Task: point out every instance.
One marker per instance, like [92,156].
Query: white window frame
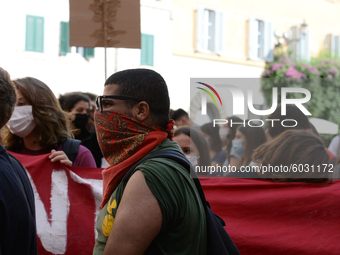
[333,45]
[299,45]
[203,33]
[261,39]
[254,43]
[76,51]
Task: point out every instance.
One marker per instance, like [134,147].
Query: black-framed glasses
[99,100]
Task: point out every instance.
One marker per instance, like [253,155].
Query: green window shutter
[34,33]
[30,24]
[88,52]
[39,34]
[143,50]
[150,50]
[64,38]
[146,57]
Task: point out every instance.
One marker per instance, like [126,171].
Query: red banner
[67,202]
[262,217]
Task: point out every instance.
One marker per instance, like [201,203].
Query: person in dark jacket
[17,208]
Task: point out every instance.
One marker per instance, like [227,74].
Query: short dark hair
[179,113]
[292,112]
[7,97]
[69,100]
[213,132]
[146,85]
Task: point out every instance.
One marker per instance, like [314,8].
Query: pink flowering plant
[321,77]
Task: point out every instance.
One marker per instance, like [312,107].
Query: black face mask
[81,120]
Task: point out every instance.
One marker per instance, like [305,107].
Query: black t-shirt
[89,140]
[17,208]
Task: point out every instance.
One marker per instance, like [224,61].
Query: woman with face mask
[227,133]
[194,147]
[78,107]
[213,139]
[246,140]
[39,126]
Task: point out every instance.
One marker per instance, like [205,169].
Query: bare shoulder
[138,219]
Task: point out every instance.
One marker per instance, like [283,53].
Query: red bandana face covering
[123,141]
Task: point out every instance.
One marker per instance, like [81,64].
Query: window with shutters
[65,44]
[333,45]
[34,33]
[299,48]
[64,38]
[210,31]
[147,50]
[84,52]
[88,52]
[261,40]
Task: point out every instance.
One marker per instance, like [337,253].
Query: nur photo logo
[212,89]
[239,99]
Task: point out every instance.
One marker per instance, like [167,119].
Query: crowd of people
[237,145]
[131,121]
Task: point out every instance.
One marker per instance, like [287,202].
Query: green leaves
[321,77]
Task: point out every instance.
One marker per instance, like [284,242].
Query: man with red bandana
[159,210]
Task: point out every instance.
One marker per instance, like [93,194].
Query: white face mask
[223,133]
[193,160]
[22,122]
[237,147]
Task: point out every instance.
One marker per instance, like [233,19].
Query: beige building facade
[181,39]
[235,39]
[321,17]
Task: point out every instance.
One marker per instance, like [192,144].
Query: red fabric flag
[263,217]
[67,202]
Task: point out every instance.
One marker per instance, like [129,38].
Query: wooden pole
[105,64]
[105,34]
[116,60]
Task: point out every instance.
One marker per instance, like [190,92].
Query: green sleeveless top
[184,225]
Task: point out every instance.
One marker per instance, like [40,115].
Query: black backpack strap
[183,161]
[218,240]
[71,148]
[159,154]
[333,161]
